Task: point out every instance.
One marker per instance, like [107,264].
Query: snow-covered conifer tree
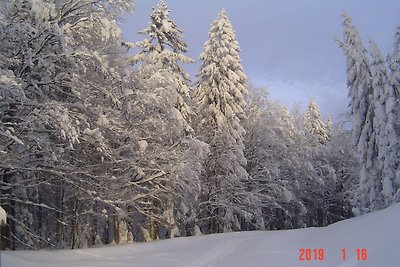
[219,102]
[313,124]
[161,106]
[387,116]
[161,57]
[360,92]
[393,112]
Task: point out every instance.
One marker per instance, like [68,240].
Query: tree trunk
[116,229]
[153,229]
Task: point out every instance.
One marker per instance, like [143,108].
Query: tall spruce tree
[362,111]
[395,83]
[314,126]
[386,117]
[219,102]
[161,57]
[161,105]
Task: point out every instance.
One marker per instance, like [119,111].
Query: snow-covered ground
[378,233]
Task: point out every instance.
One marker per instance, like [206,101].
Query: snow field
[377,232]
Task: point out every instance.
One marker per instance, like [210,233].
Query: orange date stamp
[318,254]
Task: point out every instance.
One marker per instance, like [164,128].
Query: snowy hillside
[377,232]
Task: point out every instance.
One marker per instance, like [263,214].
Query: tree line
[99,147]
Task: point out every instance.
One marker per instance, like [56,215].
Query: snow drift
[377,233]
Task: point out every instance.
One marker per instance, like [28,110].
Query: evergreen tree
[161,55]
[219,100]
[387,110]
[362,112]
[314,126]
[393,111]
[161,105]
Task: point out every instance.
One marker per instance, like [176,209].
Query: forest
[102,145]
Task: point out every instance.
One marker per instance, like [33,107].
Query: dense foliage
[98,146]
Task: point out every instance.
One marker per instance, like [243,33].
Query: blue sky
[286,45]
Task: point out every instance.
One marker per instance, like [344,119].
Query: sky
[287,46]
